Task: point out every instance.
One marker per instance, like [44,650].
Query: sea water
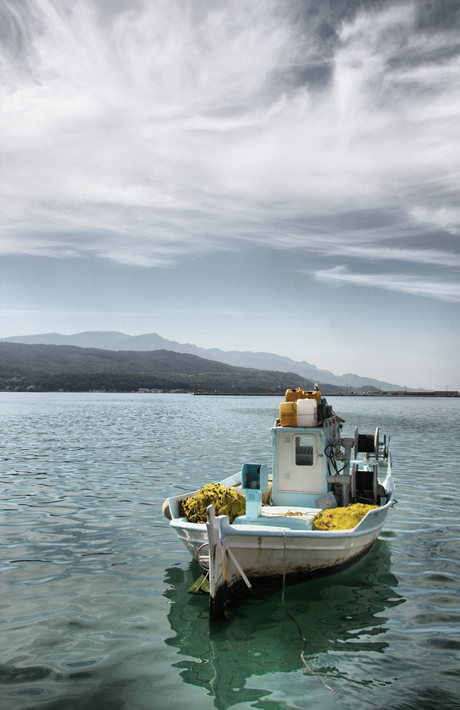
[95,613]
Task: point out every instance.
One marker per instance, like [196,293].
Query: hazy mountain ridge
[72,358]
[71,368]
[114,340]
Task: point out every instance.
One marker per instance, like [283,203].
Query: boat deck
[294,517]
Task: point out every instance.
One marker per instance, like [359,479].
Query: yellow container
[315,394]
[300,393]
[288,413]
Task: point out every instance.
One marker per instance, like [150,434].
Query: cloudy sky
[265,175]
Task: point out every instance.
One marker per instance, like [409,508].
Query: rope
[331,459]
[302,653]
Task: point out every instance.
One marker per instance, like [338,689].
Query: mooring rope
[302,653]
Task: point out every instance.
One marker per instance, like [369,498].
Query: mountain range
[71,368]
[113,340]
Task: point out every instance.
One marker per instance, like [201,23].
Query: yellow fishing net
[226,501]
[341,518]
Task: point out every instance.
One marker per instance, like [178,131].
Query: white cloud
[402,283]
[447,217]
[413,256]
[173,127]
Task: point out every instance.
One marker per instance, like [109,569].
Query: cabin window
[304,450]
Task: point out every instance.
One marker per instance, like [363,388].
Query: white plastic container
[307,412]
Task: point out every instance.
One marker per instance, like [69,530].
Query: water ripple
[93,586]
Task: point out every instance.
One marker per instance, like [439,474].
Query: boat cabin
[300,469]
[313,466]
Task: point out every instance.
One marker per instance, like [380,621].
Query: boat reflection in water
[247,657]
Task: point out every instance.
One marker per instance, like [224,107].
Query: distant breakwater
[398,393]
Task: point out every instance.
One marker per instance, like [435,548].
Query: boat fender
[166,510]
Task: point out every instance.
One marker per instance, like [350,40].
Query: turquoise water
[95,613]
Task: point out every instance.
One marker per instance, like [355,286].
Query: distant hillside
[70,358]
[71,368]
[113,340]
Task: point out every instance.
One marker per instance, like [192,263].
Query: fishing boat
[320,511]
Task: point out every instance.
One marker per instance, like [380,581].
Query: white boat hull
[261,555]
[295,556]
[264,553]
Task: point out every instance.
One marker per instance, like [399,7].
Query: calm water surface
[95,613]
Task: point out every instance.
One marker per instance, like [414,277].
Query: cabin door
[300,464]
